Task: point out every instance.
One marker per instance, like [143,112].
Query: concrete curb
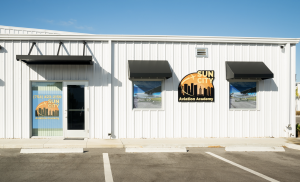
[254,149]
[51,151]
[142,143]
[140,150]
[292,146]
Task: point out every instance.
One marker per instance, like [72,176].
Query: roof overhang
[149,69]
[247,70]
[57,60]
[151,38]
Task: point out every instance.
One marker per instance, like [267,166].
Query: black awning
[72,60]
[247,70]
[149,69]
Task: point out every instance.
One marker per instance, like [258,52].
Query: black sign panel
[197,87]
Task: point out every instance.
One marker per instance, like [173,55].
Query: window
[147,94]
[242,95]
[47,109]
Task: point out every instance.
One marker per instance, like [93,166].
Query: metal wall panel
[169,93]
[180,120]
[292,91]
[2,92]
[17,92]
[26,99]
[15,77]
[9,89]
[111,91]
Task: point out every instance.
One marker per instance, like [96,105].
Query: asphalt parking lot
[195,165]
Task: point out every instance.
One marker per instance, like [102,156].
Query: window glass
[147,94]
[47,109]
[242,95]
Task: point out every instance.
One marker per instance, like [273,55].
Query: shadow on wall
[2,83]
[269,85]
[3,50]
[102,78]
[175,81]
[98,80]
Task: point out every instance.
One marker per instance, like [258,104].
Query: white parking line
[51,151]
[254,149]
[136,150]
[242,167]
[107,169]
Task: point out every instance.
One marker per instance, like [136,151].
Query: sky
[238,18]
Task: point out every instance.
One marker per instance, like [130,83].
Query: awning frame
[56,60]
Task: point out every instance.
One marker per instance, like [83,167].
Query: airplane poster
[242,95]
[147,94]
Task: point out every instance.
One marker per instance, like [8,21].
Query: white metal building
[128,108]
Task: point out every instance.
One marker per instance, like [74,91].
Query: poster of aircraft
[147,94]
[243,95]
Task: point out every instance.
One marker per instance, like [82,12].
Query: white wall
[15,77]
[184,120]
[110,89]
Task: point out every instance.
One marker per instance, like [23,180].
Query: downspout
[289,128]
[112,120]
[292,119]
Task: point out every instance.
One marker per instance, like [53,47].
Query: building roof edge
[148,38]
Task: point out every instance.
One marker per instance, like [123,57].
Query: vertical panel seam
[13,84]
[21,100]
[4,99]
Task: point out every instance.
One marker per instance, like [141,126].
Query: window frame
[257,96]
[162,95]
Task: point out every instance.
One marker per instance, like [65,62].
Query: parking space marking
[254,149]
[107,169]
[244,168]
[51,151]
[136,150]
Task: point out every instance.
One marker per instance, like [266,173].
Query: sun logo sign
[197,87]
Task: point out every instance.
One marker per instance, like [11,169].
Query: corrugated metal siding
[15,77]
[180,120]
[2,93]
[293,82]
[111,90]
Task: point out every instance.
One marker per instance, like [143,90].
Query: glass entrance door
[75,107]
[76,116]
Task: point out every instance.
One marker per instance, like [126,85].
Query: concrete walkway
[142,143]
